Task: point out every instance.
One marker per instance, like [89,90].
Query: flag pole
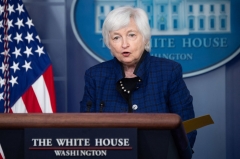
[6,60]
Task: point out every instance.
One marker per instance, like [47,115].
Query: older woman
[133,81]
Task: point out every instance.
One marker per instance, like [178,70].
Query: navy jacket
[161,89]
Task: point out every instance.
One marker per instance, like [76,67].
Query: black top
[126,86]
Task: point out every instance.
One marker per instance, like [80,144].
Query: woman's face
[127,44]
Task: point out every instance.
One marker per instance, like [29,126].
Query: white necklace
[123,88]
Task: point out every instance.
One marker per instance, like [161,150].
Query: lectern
[159,136]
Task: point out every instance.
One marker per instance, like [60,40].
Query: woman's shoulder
[163,62]
[165,66]
[103,65]
[106,66]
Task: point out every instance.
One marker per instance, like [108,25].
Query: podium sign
[151,135]
[64,143]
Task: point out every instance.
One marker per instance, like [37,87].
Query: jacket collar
[140,70]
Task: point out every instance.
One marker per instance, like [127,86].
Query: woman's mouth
[125,54]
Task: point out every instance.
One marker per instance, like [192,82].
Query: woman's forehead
[130,27]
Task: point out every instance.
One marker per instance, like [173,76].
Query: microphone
[101,106]
[89,105]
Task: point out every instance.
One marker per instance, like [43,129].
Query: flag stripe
[19,107]
[49,81]
[30,100]
[42,99]
[42,95]
[1,153]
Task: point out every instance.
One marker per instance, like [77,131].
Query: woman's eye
[115,38]
[132,35]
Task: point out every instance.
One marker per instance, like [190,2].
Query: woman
[133,81]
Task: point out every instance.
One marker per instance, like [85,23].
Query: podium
[158,135]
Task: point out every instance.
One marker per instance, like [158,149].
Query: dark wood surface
[90,120]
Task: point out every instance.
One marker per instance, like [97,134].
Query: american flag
[1,153]
[26,78]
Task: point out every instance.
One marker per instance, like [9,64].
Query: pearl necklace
[123,88]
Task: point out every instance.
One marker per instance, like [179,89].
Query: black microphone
[101,106]
[89,105]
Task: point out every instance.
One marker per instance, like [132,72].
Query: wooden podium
[159,135]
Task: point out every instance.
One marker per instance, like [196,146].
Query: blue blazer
[160,90]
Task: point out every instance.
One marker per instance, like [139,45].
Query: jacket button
[134,107]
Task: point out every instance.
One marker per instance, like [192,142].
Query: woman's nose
[125,43]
